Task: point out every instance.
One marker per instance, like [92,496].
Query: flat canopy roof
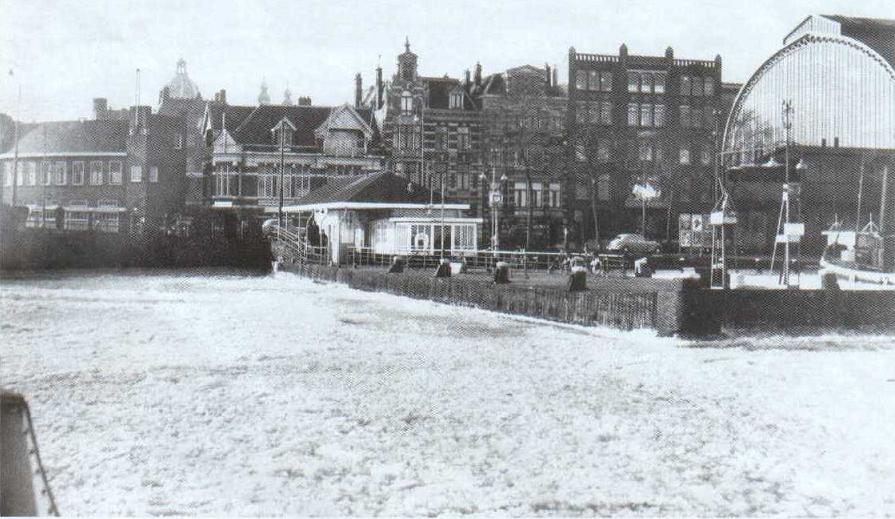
[299,208]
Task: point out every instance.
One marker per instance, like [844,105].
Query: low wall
[757,310]
[619,303]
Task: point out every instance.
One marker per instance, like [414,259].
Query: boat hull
[853,274]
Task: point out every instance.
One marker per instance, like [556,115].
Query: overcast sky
[65,53]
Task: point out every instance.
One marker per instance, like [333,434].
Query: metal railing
[476,260]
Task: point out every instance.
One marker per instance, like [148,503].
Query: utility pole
[282,171]
[15,153]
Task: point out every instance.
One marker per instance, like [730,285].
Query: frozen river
[165,393]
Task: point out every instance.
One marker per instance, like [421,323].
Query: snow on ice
[165,393]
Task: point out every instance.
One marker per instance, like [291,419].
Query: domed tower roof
[182,87]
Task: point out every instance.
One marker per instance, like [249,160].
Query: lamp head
[801,166]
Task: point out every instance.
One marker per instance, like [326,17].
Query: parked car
[634,243]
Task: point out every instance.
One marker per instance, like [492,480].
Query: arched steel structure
[842,94]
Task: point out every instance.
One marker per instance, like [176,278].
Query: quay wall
[618,303]
[816,310]
[667,306]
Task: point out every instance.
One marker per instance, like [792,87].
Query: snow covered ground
[164,393]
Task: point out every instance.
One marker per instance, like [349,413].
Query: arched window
[406,102]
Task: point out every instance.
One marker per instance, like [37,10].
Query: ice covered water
[173,393]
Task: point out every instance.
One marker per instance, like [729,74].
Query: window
[606,112]
[604,187]
[606,81]
[709,86]
[632,114]
[31,173]
[646,114]
[581,80]
[520,198]
[463,138]
[603,150]
[136,174]
[105,222]
[594,113]
[696,118]
[96,172]
[580,153]
[77,173]
[77,220]
[46,173]
[456,100]
[7,174]
[646,82]
[153,174]
[554,199]
[646,151]
[115,172]
[686,85]
[659,86]
[60,173]
[581,113]
[659,119]
[441,138]
[697,86]
[685,116]
[705,157]
[633,81]
[685,156]
[593,80]
[406,102]
[537,194]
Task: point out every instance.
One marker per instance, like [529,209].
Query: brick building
[431,129]
[111,174]
[523,122]
[640,120]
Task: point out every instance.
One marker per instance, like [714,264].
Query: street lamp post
[494,200]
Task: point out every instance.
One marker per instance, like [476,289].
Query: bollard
[502,273]
[829,281]
[444,269]
[578,279]
[397,266]
[642,269]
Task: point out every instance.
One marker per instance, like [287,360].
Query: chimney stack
[478,74]
[549,75]
[378,87]
[358,90]
[221,97]
[100,108]
[468,82]
[304,101]
[555,76]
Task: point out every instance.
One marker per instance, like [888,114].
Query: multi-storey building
[523,122]
[111,174]
[640,120]
[431,129]
[259,155]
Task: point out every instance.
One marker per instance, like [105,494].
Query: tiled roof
[75,137]
[255,128]
[235,115]
[376,188]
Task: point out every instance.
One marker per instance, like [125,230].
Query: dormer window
[406,102]
[456,100]
[281,134]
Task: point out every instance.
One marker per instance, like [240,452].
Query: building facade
[431,129]
[649,121]
[261,155]
[523,125]
[111,174]
[836,75]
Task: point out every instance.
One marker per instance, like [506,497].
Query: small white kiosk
[382,213]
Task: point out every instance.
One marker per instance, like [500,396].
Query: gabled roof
[374,188]
[345,117]
[234,115]
[255,129]
[75,137]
